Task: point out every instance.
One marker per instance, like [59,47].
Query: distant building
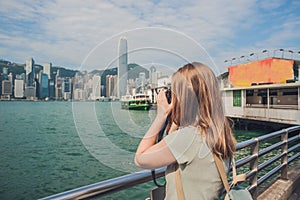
[30,92]
[43,85]
[67,88]
[19,88]
[5,73]
[88,88]
[141,82]
[78,81]
[47,69]
[96,92]
[5,70]
[111,86]
[58,86]
[79,94]
[6,89]
[30,72]
[51,89]
[10,77]
[163,81]
[122,67]
[153,77]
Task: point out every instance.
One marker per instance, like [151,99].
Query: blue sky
[84,34]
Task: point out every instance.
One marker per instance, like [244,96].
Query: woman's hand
[149,154]
[163,107]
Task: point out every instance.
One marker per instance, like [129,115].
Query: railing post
[284,159]
[254,167]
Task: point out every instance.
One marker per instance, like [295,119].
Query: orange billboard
[270,70]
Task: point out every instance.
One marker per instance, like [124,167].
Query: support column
[254,168]
[284,159]
[298,87]
[268,103]
[298,98]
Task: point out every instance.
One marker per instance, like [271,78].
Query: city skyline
[47,83]
[84,34]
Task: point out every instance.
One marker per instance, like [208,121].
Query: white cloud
[270,4]
[64,32]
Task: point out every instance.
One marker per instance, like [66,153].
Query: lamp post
[264,51]
[242,57]
[225,61]
[252,54]
[282,50]
[292,52]
[233,59]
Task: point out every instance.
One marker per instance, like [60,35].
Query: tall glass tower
[122,68]
[30,72]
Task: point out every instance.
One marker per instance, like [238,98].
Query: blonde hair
[197,101]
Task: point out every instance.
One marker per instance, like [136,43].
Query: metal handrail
[109,186]
[116,184]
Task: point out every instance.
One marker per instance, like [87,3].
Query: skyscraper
[30,72]
[67,88]
[19,88]
[51,89]
[153,77]
[96,93]
[111,81]
[30,86]
[47,69]
[58,86]
[122,67]
[43,85]
[141,82]
[6,88]
[5,73]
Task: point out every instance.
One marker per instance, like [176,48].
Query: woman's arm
[149,154]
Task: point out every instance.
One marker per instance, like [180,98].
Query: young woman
[197,129]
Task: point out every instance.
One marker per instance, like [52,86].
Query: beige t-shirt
[199,174]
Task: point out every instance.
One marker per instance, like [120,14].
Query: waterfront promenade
[282,169]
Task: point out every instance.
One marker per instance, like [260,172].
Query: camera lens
[169,95]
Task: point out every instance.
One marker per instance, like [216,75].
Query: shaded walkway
[296,194]
[284,189]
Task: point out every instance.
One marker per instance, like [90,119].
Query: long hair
[197,101]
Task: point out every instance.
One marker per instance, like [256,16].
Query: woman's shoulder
[184,135]
[186,132]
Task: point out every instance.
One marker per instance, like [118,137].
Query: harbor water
[50,147]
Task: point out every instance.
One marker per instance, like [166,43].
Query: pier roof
[264,86]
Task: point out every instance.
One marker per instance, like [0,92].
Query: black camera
[169,95]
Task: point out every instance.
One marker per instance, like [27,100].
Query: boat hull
[139,107]
[128,106]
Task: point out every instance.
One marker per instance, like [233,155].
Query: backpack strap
[221,171]
[179,188]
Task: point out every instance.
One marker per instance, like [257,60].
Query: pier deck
[281,189]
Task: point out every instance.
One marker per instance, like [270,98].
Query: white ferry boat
[136,102]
